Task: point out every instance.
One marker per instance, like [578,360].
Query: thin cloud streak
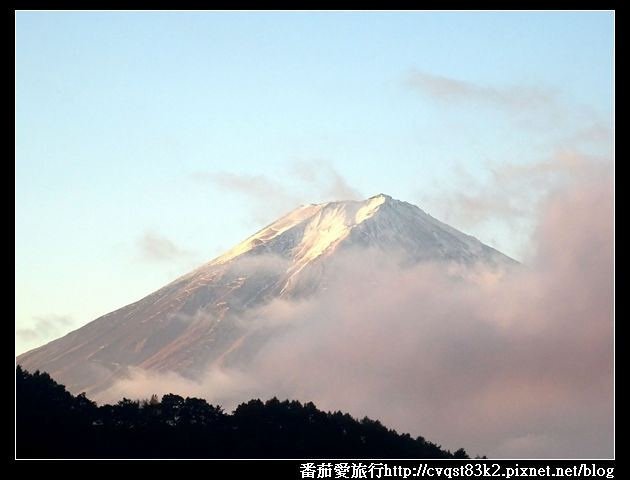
[46,327]
[269,198]
[254,186]
[266,198]
[531,107]
[325,179]
[157,248]
[513,98]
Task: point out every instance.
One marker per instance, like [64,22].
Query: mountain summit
[193,322]
[316,230]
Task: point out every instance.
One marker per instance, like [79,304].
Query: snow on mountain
[193,322]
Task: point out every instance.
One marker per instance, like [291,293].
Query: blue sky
[148,143]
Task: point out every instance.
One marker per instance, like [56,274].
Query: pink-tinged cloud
[488,365]
[518,364]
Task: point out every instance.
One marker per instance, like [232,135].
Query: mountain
[194,321]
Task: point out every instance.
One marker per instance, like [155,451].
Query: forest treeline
[52,423]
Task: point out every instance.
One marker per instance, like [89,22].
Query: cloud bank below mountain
[507,366]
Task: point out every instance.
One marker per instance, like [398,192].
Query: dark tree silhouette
[52,423]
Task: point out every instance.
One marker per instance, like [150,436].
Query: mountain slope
[194,321]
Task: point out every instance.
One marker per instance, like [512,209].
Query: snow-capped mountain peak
[312,231]
[321,226]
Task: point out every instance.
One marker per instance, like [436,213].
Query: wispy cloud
[255,186]
[508,198]
[529,107]
[325,179]
[45,327]
[157,248]
[594,133]
[515,99]
[267,198]
[270,197]
[500,206]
